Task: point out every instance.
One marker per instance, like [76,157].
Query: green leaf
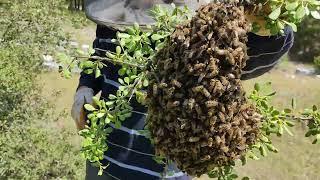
[109,130]
[98,73]
[88,71]
[314,108]
[107,120]
[86,64]
[288,111]
[122,118]
[290,124]
[244,160]
[264,104]
[293,26]
[100,115]
[280,130]
[156,37]
[263,151]
[292,5]
[272,94]
[271,148]
[257,87]
[117,124]
[234,176]
[112,97]
[288,131]
[275,113]
[145,83]
[300,12]
[293,103]
[118,50]
[127,80]
[110,55]
[275,14]
[96,100]
[280,25]
[109,103]
[122,71]
[130,31]
[89,107]
[315,14]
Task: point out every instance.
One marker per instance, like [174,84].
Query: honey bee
[210,104]
[155,90]
[221,117]
[176,83]
[194,139]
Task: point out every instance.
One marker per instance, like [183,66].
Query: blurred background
[38,138]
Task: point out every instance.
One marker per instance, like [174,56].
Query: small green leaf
[244,160]
[271,148]
[293,26]
[315,14]
[127,80]
[122,71]
[156,37]
[257,87]
[234,176]
[145,82]
[118,50]
[109,130]
[110,55]
[275,14]
[117,124]
[293,103]
[120,81]
[272,94]
[290,124]
[300,12]
[98,73]
[288,131]
[263,151]
[136,26]
[314,108]
[109,103]
[88,71]
[100,115]
[280,130]
[89,107]
[275,113]
[112,97]
[292,5]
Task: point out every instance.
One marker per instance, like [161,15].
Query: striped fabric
[130,155]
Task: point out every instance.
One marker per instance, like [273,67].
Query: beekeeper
[130,155]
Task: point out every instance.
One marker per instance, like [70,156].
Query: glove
[83,96]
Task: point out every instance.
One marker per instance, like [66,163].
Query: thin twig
[111,60]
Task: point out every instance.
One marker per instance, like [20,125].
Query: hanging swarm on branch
[199,116]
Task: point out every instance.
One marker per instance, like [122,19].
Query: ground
[297,158]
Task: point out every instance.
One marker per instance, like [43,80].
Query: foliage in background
[307,44]
[281,13]
[31,147]
[317,61]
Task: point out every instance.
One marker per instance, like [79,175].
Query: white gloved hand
[83,96]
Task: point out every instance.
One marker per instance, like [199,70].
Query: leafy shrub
[31,146]
[306,45]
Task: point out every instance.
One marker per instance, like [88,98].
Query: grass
[297,158]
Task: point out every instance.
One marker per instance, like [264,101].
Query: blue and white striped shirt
[130,155]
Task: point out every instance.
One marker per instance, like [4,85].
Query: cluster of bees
[199,116]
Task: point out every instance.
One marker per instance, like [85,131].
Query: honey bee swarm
[198,112]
